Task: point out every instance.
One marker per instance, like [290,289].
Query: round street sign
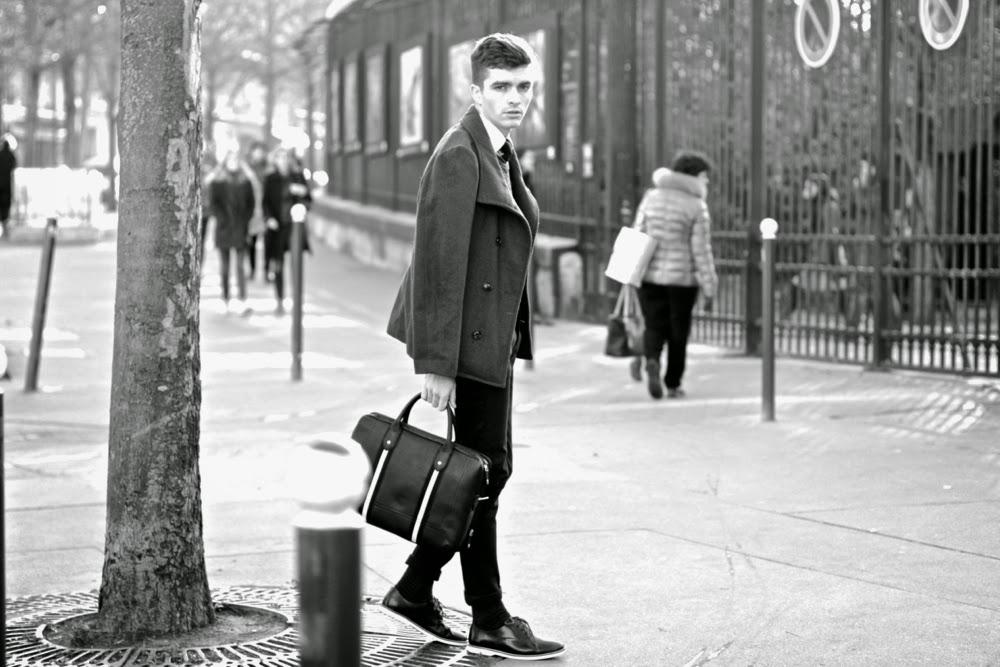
[942,21]
[817,26]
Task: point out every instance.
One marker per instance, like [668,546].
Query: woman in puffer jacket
[674,212]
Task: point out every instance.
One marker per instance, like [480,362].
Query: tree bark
[154,579]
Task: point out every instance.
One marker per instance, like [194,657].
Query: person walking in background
[675,213]
[232,203]
[8,163]
[257,161]
[463,312]
[208,166]
[284,186]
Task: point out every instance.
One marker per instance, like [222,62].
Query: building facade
[869,129]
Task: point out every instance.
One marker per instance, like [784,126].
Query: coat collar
[675,180]
[492,190]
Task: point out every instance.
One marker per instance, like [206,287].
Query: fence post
[768,234]
[757,84]
[298,242]
[41,305]
[332,481]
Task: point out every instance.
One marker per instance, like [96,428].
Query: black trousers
[252,254]
[667,311]
[482,422]
[241,278]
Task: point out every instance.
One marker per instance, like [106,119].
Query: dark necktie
[504,153]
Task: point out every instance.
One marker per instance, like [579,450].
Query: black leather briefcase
[424,488]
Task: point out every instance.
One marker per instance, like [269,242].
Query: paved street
[858,529]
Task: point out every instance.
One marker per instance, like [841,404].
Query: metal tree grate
[384,640]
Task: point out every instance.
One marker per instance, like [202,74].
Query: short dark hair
[691,163]
[500,50]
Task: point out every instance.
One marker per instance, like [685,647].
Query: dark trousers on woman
[252,255]
[482,422]
[241,278]
[667,311]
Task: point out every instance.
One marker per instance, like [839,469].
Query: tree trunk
[71,146]
[211,95]
[111,98]
[32,157]
[154,579]
[85,150]
[33,84]
[269,76]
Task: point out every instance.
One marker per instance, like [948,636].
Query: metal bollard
[768,234]
[41,305]
[298,244]
[333,478]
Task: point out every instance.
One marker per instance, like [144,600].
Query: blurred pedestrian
[232,203]
[675,213]
[463,312]
[284,186]
[257,161]
[208,167]
[8,163]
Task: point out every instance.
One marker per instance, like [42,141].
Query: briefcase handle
[404,418]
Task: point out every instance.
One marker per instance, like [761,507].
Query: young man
[462,311]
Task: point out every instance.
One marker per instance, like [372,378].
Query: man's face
[505,96]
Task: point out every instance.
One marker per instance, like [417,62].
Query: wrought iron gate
[882,167]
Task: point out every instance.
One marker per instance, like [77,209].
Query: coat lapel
[492,190]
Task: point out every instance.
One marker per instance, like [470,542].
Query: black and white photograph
[471,333]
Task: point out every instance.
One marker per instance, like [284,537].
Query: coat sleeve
[445,212]
[701,249]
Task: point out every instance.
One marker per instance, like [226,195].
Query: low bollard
[332,481]
[41,306]
[768,234]
[298,244]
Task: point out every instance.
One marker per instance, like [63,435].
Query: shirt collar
[497,138]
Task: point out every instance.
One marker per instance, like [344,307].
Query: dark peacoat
[232,203]
[465,292]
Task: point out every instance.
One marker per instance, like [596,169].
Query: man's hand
[439,391]
[272,223]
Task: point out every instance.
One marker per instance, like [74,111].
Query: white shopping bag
[630,256]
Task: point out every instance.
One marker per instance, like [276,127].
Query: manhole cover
[384,640]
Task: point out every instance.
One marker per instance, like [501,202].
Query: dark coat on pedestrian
[8,162]
[281,192]
[465,292]
[232,203]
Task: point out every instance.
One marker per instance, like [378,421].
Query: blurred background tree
[60,70]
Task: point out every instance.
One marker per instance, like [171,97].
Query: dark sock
[490,617]
[415,586]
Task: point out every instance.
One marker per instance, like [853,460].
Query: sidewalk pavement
[860,528]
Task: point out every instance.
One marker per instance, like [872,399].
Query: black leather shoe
[513,640]
[425,617]
[653,383]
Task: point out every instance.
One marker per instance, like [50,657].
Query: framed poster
[335,108]
[459,79]
[375,100]
[534,130]
[351,132]
[412,98]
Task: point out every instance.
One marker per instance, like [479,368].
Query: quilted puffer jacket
[674,212]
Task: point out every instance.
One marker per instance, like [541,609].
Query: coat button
[499,241]
[477,335]
[487,287]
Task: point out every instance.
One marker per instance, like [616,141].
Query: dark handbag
[624,338]
[424,488]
